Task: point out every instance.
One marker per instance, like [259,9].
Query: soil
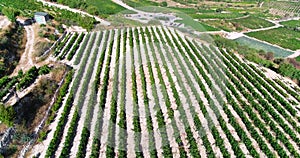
[11,46]
[32,106]
[3,127]
[4,22]
[25,62]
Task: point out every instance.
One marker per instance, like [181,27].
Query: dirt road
[26,62]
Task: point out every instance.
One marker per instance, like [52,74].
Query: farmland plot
[284,8]
[153,92]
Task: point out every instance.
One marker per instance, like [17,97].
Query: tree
[164,4]
[10,13]
[8,114]
[286,69]
[44,70]
[219,10]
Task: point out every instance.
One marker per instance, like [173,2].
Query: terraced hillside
[153,92]
[284,8]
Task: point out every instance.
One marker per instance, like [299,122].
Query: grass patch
[278,52]
[140,3]
[193,10]
[105,7]
[186,2]
[291,23]
[209,28]
[251,22]
[221,24]
[298,58]
[284,37]
[120,21]
[216,15]
[154,9]
[198,26]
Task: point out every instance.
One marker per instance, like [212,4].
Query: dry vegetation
[12,44]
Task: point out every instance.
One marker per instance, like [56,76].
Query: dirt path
[121,89]
[235,35]
[295,55]
[102,22]
[26,62]
[121,3]
[129,101]
[275,22]
[277,25]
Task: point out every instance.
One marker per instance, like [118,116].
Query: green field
[263,46]
[140,3]
[198,26]
[252,22]
[105,7]
[221,24]
[291,23]
[217,15]
[240,24]
[284,37]
[193,10]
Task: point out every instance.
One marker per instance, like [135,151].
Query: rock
[6,139]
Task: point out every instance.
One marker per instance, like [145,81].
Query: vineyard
[284,8]
[153,92]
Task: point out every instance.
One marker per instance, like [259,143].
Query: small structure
[41,17]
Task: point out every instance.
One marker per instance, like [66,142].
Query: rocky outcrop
[6,139]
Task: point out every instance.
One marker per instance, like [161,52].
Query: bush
[44,70]
[289,70]
[7,115]
[219,10]
[164,4]
[92,10]
[10,13]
